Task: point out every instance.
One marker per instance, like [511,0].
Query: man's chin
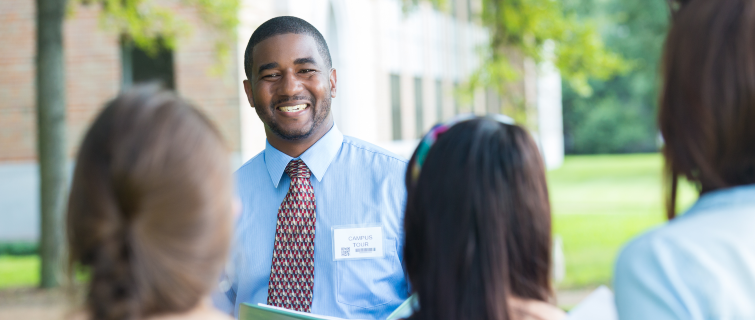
[292,135]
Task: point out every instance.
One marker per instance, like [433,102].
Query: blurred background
[581,75]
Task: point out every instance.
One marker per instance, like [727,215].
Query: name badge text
[357,243]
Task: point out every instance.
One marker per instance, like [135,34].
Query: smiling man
[321,225]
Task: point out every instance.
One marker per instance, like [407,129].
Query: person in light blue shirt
[701,265]
[354,268]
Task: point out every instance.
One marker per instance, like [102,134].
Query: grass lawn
[601,202]
[19,271]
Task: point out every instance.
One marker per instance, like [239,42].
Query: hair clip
[431,136]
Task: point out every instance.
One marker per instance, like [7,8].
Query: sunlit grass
[19,271]
[601,202]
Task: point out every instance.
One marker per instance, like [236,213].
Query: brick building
[94,74]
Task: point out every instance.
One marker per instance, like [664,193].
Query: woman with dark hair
[150,211]
[701,265]
[478,225]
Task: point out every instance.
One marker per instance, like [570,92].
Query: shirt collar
[317,158]
[722,198]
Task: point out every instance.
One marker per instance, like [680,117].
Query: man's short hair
[284,25]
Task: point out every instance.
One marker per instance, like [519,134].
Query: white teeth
[295,108]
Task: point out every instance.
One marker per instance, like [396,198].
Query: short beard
[319,115]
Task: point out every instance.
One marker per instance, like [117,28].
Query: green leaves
[151,26]
[579,51]
[526,26]
[619,116]
[582,55]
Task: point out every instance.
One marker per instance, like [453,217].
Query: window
[139,66]
[396,106]
[418,106]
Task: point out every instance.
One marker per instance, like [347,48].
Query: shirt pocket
[370,283]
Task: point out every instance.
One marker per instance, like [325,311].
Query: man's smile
[295,108]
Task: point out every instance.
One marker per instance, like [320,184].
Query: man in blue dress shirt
[355,269]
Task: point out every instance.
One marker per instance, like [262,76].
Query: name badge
[357,242]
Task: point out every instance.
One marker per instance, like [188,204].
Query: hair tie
[431,136]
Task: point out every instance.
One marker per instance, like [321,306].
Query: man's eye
[271,75]
[307,70]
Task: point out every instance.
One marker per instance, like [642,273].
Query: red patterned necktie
[292,275]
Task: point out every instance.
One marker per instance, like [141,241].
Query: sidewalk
[33,303]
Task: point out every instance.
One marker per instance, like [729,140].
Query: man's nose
[289,84]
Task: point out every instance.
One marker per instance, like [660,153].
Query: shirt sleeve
[642,285]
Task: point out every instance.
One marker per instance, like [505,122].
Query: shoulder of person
[643,276]
[209,314]
[522,309]
[255,162]
[641,243]
[641,254]
[369,148]
[205,314]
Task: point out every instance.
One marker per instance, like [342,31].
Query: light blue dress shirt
[355,183]
[701,265]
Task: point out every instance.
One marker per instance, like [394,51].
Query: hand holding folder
[599,305]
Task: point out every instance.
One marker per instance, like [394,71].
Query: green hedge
[18,248]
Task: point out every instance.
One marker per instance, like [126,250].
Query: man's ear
[333,83]
[248,90]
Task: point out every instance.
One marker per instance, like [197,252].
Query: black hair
[478,223]
[285,25]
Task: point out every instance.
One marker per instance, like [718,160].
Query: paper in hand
[599,305]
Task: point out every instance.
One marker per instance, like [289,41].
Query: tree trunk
[51,136]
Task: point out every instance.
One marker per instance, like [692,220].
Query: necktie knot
[297,169]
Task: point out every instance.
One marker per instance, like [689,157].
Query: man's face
[290,86]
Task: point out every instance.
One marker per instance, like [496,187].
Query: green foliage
[150,25]
[530,27]
[620,114]
[583,55]
[18,248]
[606,123]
